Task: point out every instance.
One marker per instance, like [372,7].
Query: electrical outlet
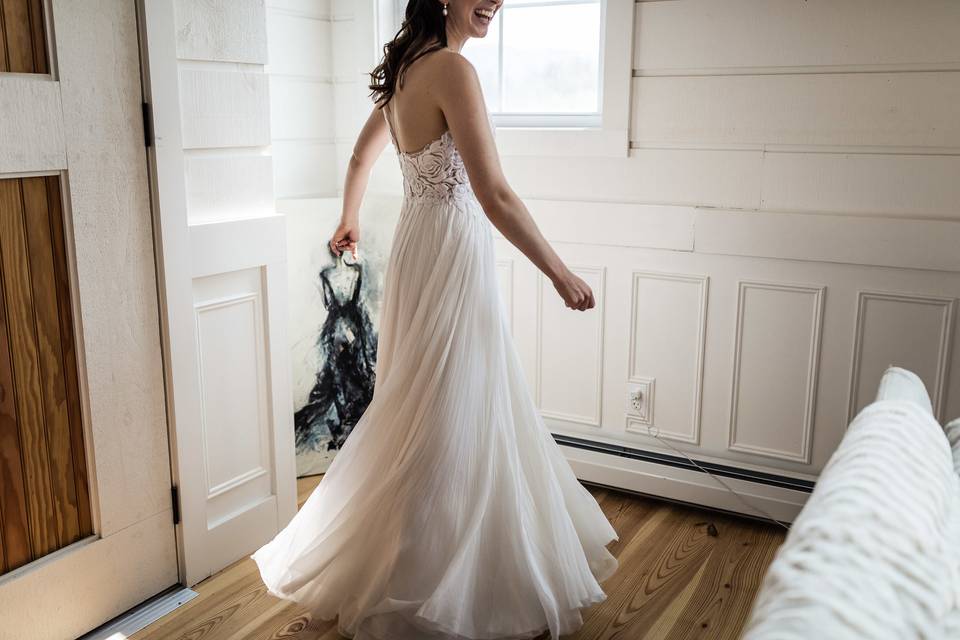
[640,401]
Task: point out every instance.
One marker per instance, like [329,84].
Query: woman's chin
[480,28]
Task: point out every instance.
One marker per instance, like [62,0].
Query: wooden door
[85,501]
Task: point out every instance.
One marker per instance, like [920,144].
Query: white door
[222,265]
[81,122]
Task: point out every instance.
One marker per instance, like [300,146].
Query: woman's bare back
[413,111]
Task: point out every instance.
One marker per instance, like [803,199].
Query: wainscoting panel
[907,330]
[235,394]
[667,338]
[776,360]
[569,378]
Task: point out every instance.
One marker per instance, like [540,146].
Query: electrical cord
[654,432]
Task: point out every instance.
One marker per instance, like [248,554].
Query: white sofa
[875,552]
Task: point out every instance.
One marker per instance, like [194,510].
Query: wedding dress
[450,512]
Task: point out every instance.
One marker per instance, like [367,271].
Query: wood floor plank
[719,608]
[674,576]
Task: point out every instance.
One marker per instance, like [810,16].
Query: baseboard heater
[679,462]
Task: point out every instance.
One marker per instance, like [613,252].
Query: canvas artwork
[334,319]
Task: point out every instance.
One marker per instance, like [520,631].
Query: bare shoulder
[453,76]
[454,66]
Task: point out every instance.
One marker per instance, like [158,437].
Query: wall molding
[635,425]
[787,70]
[938,398]
[813,368]
[245,298]
[594,420]
[776,147]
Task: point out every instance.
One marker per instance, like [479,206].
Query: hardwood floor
[684,574]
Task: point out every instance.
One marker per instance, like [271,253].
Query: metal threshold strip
[135,619]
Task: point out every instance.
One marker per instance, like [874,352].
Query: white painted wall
[784,227]
[302,86]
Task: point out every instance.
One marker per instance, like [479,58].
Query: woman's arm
[370,144]
[460,98]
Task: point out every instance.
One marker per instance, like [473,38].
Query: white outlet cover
[644,416]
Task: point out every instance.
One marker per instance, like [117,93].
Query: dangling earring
[445,9]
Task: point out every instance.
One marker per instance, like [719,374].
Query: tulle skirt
[450,512]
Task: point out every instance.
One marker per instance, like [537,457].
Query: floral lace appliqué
[435,172]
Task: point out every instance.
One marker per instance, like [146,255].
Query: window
[540,64]
[556,74]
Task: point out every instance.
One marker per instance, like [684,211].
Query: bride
[450,512]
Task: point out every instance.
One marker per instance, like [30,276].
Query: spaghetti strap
[393,136]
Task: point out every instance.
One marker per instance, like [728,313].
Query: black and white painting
[334,317]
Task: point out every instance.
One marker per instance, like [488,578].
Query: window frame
[606,136]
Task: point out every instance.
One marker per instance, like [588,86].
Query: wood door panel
[46,506]
[13,501]
[53,389]
[23,42]
[69,356]
[15,266]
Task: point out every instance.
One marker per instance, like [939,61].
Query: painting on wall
[334,319]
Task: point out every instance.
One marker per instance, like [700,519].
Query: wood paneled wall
[23,41]
[44,496]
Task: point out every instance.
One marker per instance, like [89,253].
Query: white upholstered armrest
[902,384]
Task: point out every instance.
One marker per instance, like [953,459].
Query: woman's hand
[575,292]
[345,238]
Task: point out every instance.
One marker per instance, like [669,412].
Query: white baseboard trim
[684,485]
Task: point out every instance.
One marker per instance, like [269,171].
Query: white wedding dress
[450,512]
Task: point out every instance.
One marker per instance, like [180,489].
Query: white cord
[655,433]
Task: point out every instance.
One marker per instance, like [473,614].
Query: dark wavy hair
[424,29]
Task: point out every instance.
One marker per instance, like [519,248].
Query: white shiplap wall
[786,224]
[302,86]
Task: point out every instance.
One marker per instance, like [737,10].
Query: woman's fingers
[338,246]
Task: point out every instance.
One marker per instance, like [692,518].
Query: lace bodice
[434,172]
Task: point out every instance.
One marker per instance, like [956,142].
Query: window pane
[551,58]
[484,53]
